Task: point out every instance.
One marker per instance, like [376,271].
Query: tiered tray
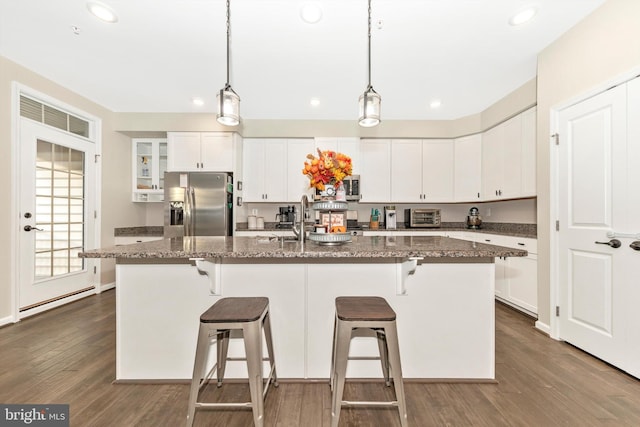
[330,239]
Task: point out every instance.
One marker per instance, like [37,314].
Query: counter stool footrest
[392,403]
[205,406]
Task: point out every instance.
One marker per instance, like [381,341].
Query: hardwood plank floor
[67,355]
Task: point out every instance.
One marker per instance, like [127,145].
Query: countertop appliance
[474,220]
[422,218]
[286,217]
[390,217]
[352,188]
[198,204]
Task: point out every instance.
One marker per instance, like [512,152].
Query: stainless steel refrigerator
[198,204]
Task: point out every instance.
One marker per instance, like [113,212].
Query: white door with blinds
[56,208]
[598,210]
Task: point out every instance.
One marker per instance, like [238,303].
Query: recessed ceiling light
[523,16]
[436,103]
[314,102]
[198,101]
[102,11]
[311,12]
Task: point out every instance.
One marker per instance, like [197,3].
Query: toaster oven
[422,218]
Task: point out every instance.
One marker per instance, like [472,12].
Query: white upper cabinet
[273,169]
[375,170]
[467,181]
[149,164]
[421,170]
[529,145]
[508,159]
[265,173]
[297,183]
[201,151]
[348,146]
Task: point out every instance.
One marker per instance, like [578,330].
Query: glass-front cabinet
[149,164]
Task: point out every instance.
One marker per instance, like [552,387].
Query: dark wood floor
[67,356]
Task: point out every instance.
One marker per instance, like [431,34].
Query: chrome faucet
[298,229]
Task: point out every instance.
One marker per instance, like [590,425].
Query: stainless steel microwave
[352,188]
[422,218]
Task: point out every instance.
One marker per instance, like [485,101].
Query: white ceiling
[162,53]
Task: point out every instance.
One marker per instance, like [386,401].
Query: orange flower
[328,168]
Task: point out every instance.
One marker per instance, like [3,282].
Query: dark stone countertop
[256,247]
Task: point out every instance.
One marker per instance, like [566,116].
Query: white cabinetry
[297,183]
[467,182]
[516,277]
[348,146]
[265,171]
[508,158]
[421,170]
[273,169]
[202,151]
[149,162]
[375,170]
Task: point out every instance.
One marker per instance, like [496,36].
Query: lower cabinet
[516,277]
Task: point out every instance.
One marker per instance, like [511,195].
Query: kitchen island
[442,290]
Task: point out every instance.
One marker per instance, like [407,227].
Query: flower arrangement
[329,168]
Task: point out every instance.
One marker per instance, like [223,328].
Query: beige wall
[154,124]
[116,181]
[599,49]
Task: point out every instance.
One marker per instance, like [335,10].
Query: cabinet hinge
[96,157]
[557,225]
[557,311]
[556,137]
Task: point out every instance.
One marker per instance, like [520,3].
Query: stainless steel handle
[30,228]
[635,245]
[614,243]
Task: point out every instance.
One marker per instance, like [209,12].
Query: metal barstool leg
[222,349]
[384,355]
[333,353]
[396,370]
[268,339]
[199,368]
[343,340]
[253,348]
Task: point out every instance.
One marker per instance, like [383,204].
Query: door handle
[29,228]
[614,243]
[635,245]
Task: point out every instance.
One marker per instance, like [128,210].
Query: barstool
[370,313]
[251,316]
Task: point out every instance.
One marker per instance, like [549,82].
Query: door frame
[554,164]
[95,137]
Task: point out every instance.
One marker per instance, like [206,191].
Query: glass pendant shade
[228,107]
[369,106]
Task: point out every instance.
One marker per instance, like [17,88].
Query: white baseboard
[57,303]
[6,320]
[543,327]
[107,286]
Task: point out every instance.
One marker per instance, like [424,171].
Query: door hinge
[96,157]
[557,225]
[557,311]
[556,137]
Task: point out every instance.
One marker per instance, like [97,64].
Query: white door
[57,202]
[595,280]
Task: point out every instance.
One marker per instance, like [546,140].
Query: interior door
[57,204]
[592,177]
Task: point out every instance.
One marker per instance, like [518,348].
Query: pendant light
[228,100]
[369,102]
